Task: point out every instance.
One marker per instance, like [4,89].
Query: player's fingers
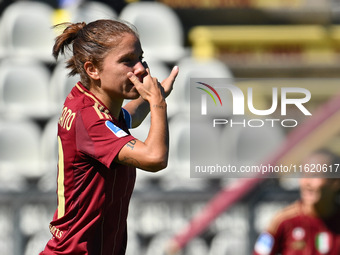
[133,78]
[171,78]
[168,83]
[174,73]
[145,84]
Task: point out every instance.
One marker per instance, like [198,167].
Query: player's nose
[140,69]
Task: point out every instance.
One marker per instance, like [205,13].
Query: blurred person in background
[97,155]
[311,225]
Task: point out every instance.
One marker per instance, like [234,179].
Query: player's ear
[91,70]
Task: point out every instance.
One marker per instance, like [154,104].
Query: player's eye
[127,60]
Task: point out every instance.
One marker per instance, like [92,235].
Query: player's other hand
[168,83]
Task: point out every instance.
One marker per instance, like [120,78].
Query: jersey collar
[100,105]
[86,92]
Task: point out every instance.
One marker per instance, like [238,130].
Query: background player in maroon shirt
[97,155]
[310,226]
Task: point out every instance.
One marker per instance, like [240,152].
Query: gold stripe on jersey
[104,112]
[87,94]
[286,213]
[96,108]
[61,177]
[100,110]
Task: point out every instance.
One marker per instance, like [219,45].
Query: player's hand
[149,89]
[168,83]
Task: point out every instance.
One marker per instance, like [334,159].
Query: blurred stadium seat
[7,239]
[265,211]
[26,30]
[33,221]
[37,242]
[49,156]
[24,89]
[179,157]
[19,153]
[89,11]
[144,179]
[198,246]
[158,243]
[134,246]
[60,86]
[177,175]
[226,242]
[243,143]
[166,39]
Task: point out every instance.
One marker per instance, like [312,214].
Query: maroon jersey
[292,232]
[93,191]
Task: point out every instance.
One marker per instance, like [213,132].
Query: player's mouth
[309,193]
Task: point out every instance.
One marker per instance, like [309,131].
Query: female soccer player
[311,225]
[97,154]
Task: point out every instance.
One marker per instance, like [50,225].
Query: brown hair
[90,42]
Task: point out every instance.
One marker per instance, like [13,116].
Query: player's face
[125,57]
[312,190]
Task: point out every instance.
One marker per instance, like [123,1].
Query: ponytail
[64,40]
[67,37]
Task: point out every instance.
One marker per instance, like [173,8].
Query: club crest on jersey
[298,233]
[116,130]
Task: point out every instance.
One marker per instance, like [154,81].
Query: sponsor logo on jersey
[298,245]
[264,244]
[116,130]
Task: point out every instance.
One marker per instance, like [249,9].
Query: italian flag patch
[323,242]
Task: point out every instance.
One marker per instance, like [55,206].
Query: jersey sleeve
[264,244]
[100,137]
[269,242]
[127,118]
